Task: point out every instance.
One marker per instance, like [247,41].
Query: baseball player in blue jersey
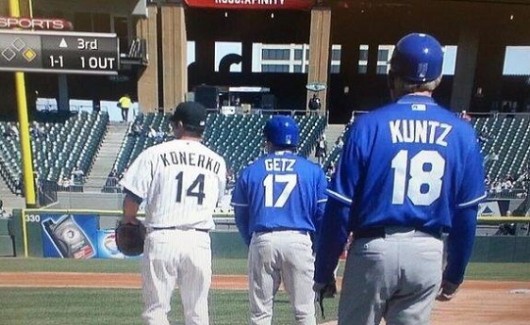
[409,171]
[278,203]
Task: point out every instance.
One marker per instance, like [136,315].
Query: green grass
[25,306]
[498,271]
[483,271]
[13,264]
[29,306]
[43,306]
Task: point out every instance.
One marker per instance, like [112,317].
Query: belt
[175,227]
[381,232]
[303,232]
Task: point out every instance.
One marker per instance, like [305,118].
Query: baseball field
[55,291]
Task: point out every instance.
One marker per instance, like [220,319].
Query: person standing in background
[125,103]
[278,204]
[409,171]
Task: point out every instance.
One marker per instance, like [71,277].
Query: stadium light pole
[22,105]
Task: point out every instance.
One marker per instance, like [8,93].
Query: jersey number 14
[423,182]
[196,189]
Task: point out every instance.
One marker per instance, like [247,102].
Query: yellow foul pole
[27,161]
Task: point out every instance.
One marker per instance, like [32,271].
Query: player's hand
[325,290]
[447,291]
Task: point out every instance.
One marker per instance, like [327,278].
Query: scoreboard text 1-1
[59,52]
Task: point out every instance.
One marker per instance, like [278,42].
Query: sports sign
[253,4]
[35,23]
[60,52]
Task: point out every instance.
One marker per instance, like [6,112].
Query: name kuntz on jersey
[410,140]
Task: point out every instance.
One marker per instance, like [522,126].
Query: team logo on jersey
[419,107]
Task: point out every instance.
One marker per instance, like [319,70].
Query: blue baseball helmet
[282,130]
[417,58]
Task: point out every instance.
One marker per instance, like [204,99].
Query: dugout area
[34,233]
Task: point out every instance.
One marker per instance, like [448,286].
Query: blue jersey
[411,163]
[279,191]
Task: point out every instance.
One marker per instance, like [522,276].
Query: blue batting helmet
[417,58]
[282,130]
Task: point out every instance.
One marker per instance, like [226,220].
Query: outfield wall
[32,237]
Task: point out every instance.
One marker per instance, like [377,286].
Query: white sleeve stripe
[468,203]
[322,200]
[339,197]
[235,204]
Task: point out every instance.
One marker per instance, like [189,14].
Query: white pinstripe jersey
[181,181]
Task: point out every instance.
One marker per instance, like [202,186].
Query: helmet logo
[288,139]
[422,70]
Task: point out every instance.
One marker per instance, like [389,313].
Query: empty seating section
[508,137]
[61,145]
[134,144]
[57,149]
[311,128]
[238,138]
[9,156]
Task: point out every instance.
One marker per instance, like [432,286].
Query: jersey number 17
[270,181]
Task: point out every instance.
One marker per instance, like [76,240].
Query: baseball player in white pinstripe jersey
[181,181]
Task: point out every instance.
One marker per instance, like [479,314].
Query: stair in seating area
[10,200]
[110,146]
[333,132]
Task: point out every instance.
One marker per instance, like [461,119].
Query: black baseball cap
[191,114]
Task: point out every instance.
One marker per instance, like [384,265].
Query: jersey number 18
[423,183]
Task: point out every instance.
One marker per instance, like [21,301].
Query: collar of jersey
[416,99]
[282,152]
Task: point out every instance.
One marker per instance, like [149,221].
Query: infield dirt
[477,302]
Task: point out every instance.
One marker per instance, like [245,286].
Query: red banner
[253,4]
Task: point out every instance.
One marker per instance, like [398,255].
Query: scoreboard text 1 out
[65,52]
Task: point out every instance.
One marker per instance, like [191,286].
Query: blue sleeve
[472,190]
[241,210]
[322,198]
[332,238]
[460,243]
[241,215]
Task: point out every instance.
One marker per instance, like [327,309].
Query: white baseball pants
[396,278]
[278,255]
[181,257]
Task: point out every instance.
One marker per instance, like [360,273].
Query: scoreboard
[59,52]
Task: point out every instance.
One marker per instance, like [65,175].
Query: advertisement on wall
[107,245]
[70,236]
[252,4]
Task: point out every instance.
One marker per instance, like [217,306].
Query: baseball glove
[130,238]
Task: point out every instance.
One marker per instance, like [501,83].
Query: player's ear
[391,83]
[391,78]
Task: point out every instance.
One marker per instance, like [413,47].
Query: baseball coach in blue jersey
[278,204]
[409,172]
